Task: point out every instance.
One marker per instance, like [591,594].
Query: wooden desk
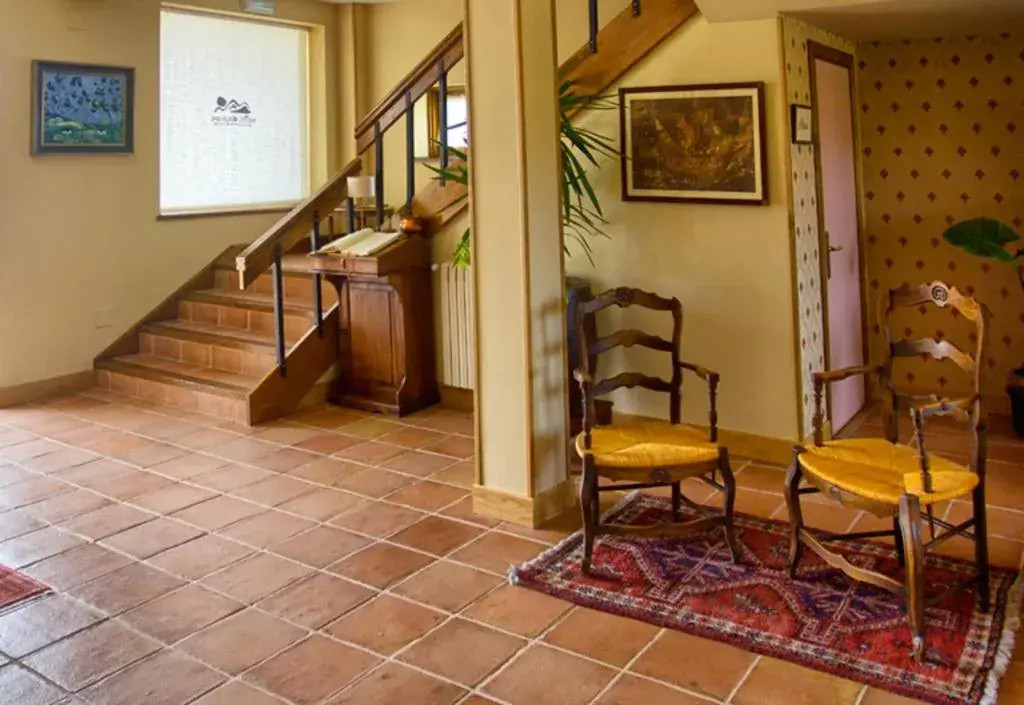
[386,319]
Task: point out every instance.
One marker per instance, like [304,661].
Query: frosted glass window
[233,113]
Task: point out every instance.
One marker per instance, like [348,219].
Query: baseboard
[40,389]
[777,451]
[526,511]
[457,398]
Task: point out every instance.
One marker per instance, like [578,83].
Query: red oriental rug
[15,587]
[821,620]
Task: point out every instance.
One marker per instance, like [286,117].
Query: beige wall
[729,265]
[80,233]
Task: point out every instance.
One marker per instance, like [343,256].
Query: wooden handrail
[289,230]
[417,82]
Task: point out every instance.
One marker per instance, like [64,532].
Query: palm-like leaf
[582,217]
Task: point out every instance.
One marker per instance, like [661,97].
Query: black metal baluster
[410,154]
[314,241]
[593,26]
[442,115]
[279,311]
[378,142]
[636,8]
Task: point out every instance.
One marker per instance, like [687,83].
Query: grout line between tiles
[743,679]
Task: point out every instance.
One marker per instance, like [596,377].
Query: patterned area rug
[822,620]
[15,587]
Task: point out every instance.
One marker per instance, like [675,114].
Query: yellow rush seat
[878,470]
[890,479]
[647,443]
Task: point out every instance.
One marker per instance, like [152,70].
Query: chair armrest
[702,372]
[831,376]
[828,377]
[712,381]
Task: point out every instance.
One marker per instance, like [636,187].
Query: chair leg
[901,558]
[796,517]
[677,501]
[588,491]
[729,480]
[913,550]
[981,546]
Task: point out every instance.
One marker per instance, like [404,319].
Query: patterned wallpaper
[943,140]
[795,35]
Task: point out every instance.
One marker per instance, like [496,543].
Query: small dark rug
[15,587]
[821,620]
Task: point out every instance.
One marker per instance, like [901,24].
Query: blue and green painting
[84,109]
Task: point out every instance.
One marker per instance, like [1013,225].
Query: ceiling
[881,19]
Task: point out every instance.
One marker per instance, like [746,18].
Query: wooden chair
[890,479]
[647,453]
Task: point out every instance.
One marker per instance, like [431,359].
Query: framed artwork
[82,109]
[801,124]
[697,144]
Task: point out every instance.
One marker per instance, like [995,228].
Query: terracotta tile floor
[334,558]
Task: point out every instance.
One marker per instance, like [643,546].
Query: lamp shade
[361,187]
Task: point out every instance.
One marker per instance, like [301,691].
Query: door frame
[817,51]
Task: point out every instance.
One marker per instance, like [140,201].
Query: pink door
[839,193]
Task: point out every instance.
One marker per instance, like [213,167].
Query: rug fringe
[1004,652]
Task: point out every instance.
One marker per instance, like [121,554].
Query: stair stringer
[307,361]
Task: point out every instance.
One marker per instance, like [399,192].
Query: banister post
[592,5]
[442,115]
[410,154]
[318,307]
[378,143]
[279,311]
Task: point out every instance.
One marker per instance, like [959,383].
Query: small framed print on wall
[800,124]
[696,144]
[82,108]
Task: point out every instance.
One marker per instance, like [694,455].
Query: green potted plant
[993,239]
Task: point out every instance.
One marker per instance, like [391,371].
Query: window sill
[221,212]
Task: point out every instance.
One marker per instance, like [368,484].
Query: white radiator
[453,301]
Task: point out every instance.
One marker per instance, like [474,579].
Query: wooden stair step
[297,281]
[245,311]
[247,300]
[209,334]
[162,370]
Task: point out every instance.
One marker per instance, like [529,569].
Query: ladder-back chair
[890,479]
[647,453]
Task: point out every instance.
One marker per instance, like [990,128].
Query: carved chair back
[943,296]
[625,297]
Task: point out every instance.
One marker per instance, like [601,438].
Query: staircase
[243,339]
[211,347]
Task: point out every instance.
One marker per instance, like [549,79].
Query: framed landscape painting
[82,109]
[698,144]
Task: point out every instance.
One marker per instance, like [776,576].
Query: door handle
[835,248]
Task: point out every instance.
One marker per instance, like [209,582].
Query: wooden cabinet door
[374,330]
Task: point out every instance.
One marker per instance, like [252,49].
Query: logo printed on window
[232,113]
